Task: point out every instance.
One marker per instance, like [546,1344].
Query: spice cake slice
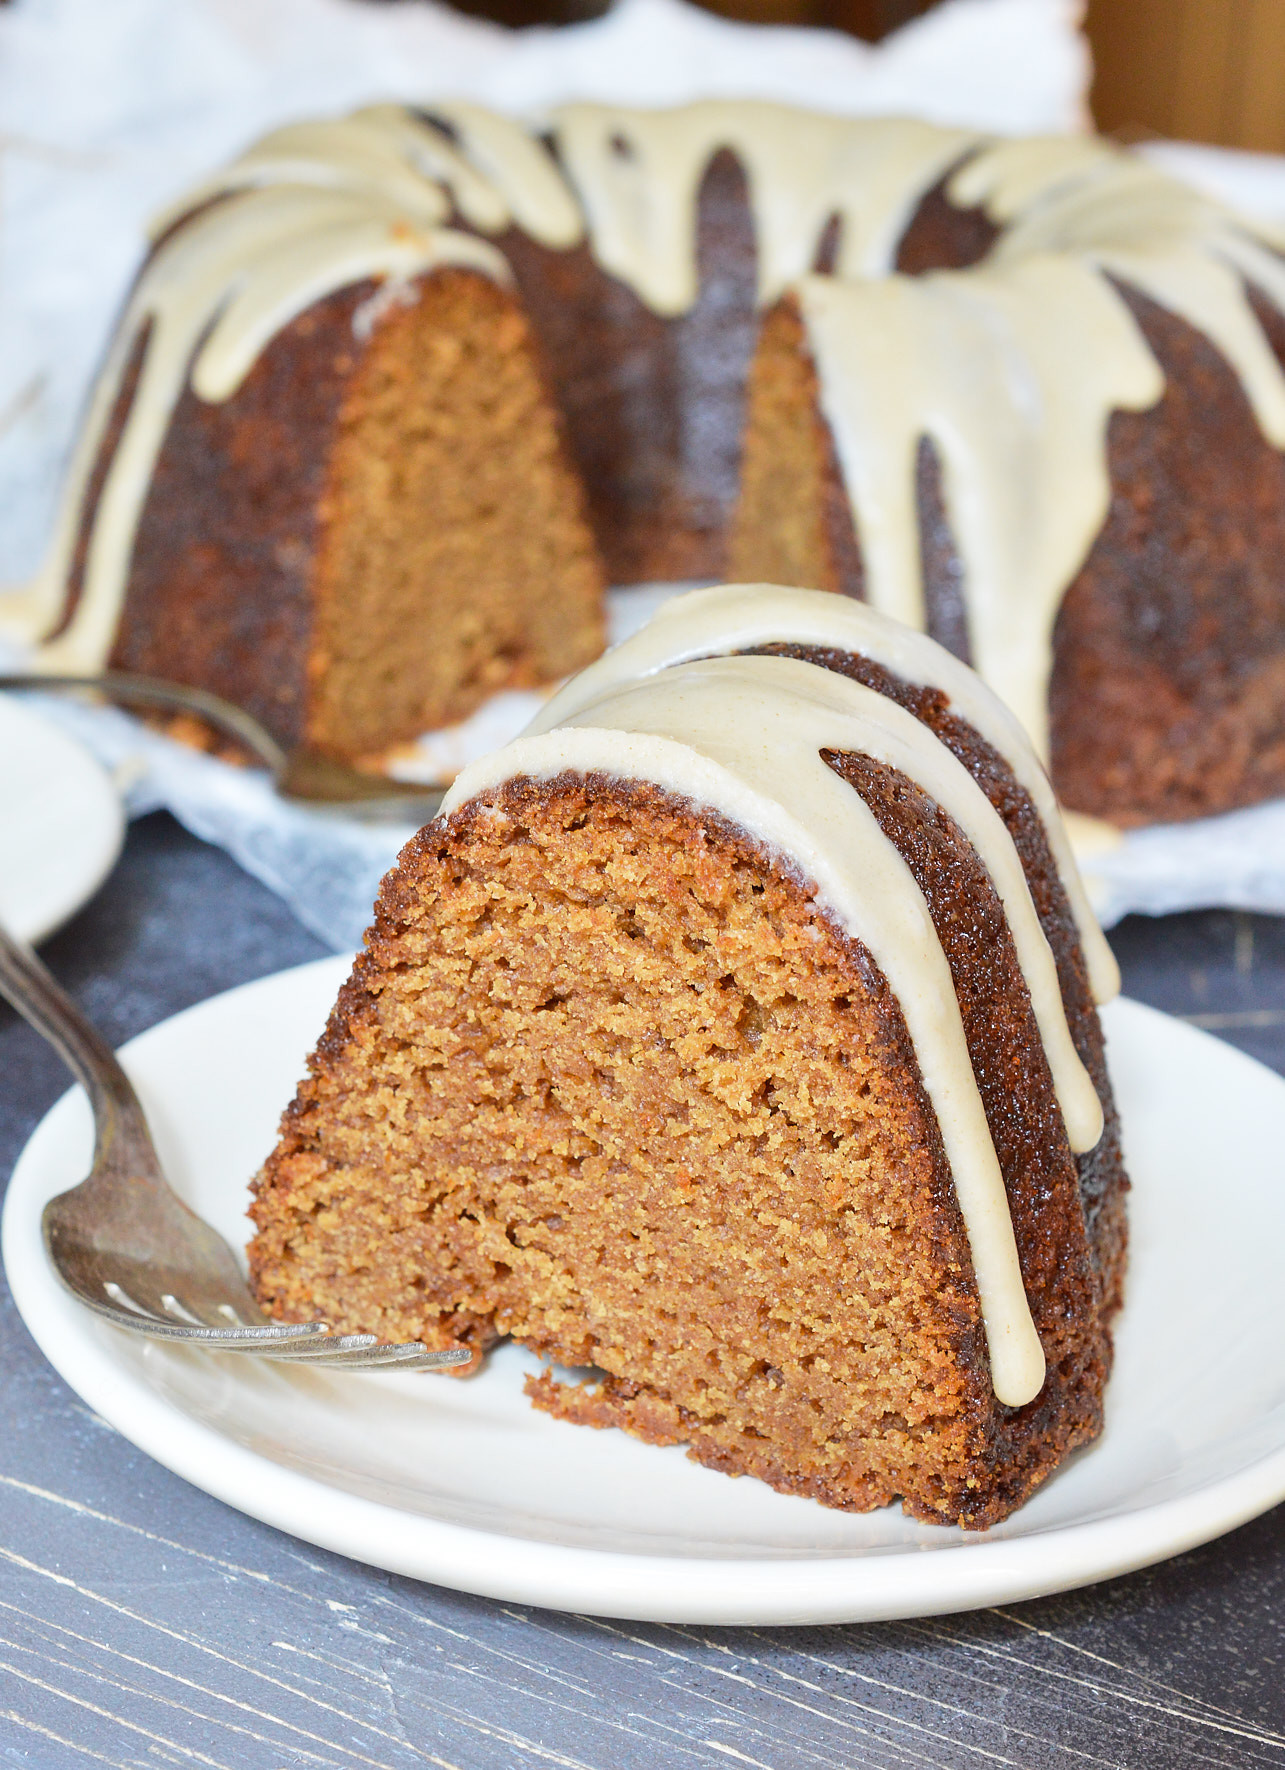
[711,1038]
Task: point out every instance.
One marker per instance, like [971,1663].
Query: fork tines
[286,1341]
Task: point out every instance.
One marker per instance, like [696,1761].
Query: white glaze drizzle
[1168,240]
[638,174]
[384,150]
[1013,369]
[978,361]
[735,617]
[536,196]
[743,737]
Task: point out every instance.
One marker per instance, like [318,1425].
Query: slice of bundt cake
[730,1032]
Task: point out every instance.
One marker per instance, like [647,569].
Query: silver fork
[300,774]
[123,1242]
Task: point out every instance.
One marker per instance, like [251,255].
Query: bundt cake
[732,1033]
[391,387]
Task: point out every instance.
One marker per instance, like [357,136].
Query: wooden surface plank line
[233,1567]
[170,1675]
[467,1718]
[378,1680]
[883,1715]
[811,1708]
[870,1710]
[1193,1708]
[1043,1701]
[613,1724]
[800,1751]
[151,1696]
[711,1644]
[528,1663]
[73,1745]
[190,1753]
[525,1662]
[955,1709]
[202,1647]
[1179,1705]
[903,1753]
[510,1737]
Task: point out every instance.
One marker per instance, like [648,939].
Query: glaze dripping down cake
[395,394]
[733,1032]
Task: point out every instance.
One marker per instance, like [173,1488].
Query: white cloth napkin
[327,867]
[107,110]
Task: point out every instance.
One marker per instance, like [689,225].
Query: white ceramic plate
[61,823]
[466,1485]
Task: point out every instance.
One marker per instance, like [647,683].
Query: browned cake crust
[606,1080]
[1103,1181]
[1167,697]
[221,573]
[1168,690]
[654,407]
[371,536]
[942,236]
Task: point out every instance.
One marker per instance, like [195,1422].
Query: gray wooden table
[143,1623]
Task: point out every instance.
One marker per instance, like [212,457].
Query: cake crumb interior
[455,559]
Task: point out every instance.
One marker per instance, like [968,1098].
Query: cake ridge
[637,174]
[976,361]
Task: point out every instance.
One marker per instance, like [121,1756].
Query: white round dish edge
[466,1485]
[61,823]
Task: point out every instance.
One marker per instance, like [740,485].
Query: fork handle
[147,1228]
[132,690]
[28,986]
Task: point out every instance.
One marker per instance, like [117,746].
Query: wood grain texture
[1194,70]
[1261,122]
[144,1623]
